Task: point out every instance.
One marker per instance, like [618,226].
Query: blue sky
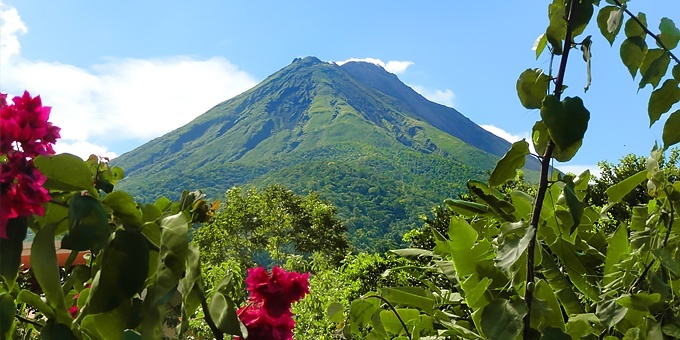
[121,73]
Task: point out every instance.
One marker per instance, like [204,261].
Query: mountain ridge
[313,121]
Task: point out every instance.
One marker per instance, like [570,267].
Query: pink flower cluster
[268,315]
[24,134]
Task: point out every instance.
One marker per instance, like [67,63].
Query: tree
[272,224]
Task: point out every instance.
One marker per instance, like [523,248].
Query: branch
[408,334]
[642,25]
[543,183]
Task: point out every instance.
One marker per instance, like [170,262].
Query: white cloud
[392,66]
[120,99]
[445,97]
[83,149]
[509,136]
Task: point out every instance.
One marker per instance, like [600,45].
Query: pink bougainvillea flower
[278,291]
[73,311]
[24,124]
[25,134]
[268,315]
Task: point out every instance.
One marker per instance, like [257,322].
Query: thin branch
[642,25]
[543,182]
[394,310]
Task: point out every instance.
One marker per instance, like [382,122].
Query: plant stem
[642,25]
[543,182]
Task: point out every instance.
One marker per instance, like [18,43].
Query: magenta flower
[25,134]
[268,315]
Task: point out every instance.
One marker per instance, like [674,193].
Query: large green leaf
[467,208]
[633,29]
[662,99]
[610,312]
[671,130]
[654,67]
[567,121]
[7,312]
[532,86]
[506,168]
[124,268]
[47,273]
[616,192]
[88,225]
[191,288]
[109,325]
[124,207]
[35,301]
[670,35]
[667,260]
[66,172]
[11,248]
[574,204]
[579,273]
[465,237]
[639,302]
[580,17]
[360,313]
[553,316]
[512,247]
[633,51]
[57,331]
[410,296]
[502,319]
[618,247]
[557,29]
[393,324]
[223,312]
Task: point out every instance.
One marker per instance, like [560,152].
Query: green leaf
[66,172]
[502,319]
[585,49]
[670,35]
[467,208]
[391,322]
[11,248]
[671,330]
[124,268]
[532,86]
[639,302]
[540,44]
[413,253]
[191,287]
[124,207]
[110,325]
[618,247]
[88,225]
[461,250]
[667,260]
[671,130]
[676,72]
[334,312]
[579,273]
[633,29]
[567,121]
[662,99]
[540,137]
[46,271]
[35,301]
[553,316]
[506,168]
[580,17]
[607,14]
[616,192]
[557,29]
[574,204]
[610,312]
[654,67]
[633,51]
[512,247]
[223,312]
[57,331]
[410,296]
[7,312]
[360,313]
